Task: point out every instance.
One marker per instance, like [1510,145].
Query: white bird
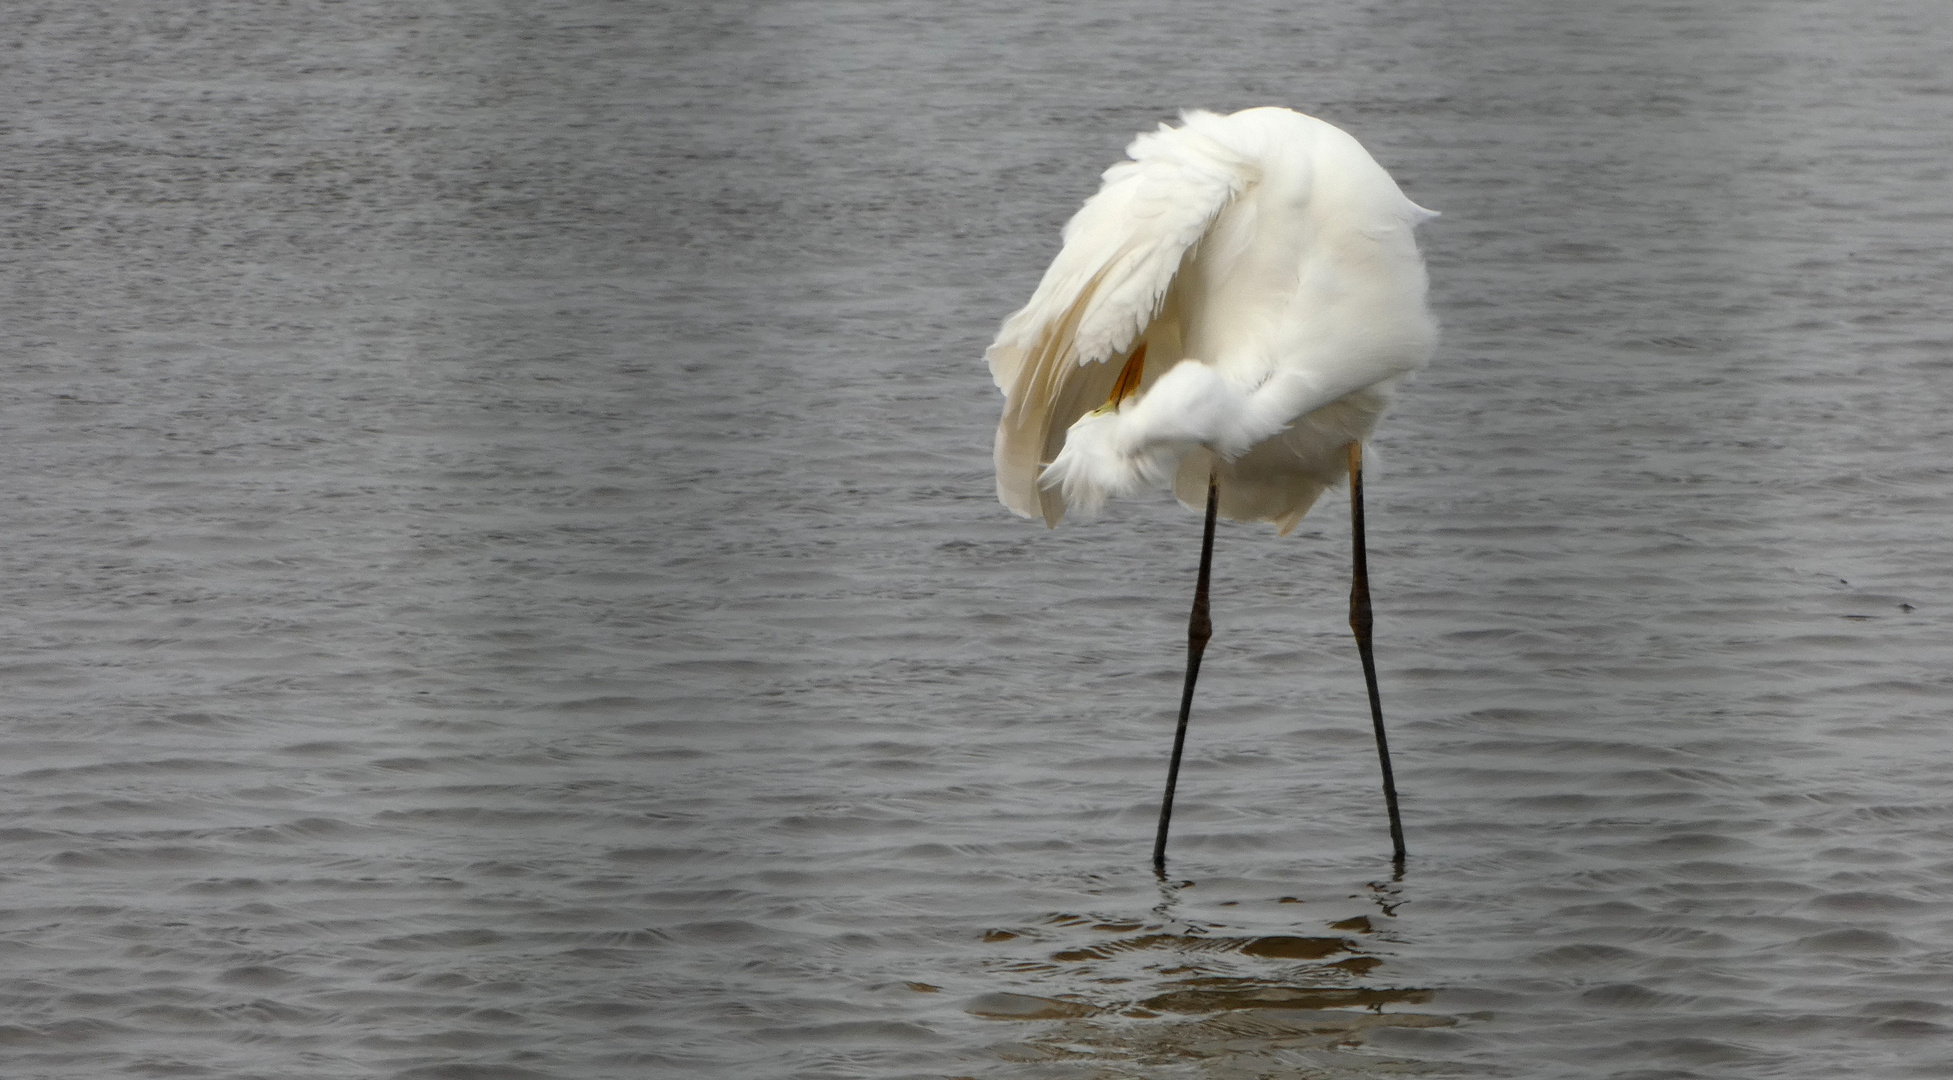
[1230,315]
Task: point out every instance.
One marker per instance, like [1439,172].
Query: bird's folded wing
[1121,252]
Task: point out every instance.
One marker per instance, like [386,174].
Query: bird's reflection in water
[1130,994]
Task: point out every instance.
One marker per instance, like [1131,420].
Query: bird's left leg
[1199,629]
[1359,624]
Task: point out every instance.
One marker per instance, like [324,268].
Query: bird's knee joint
[1200,631]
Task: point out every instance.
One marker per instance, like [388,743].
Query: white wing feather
[1266,262]
[1121,252]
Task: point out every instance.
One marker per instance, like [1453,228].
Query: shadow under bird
[1229,316]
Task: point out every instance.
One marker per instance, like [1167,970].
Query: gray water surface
[502,578]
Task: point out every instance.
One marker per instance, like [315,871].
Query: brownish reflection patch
[1274,947]
[1357,965]
[1218,994]
[1007,1006]
[1235,1044]
[1294,948]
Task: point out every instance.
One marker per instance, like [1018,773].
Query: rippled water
[502,578]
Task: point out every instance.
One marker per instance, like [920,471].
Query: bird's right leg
[1199,629]
[1359,624]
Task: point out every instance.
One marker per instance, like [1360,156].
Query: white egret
[1229,315]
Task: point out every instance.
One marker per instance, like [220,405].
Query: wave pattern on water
[502,576]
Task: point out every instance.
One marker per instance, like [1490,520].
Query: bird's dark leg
[1199,629]
[1359,623]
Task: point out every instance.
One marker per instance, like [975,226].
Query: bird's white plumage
[1264,261]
